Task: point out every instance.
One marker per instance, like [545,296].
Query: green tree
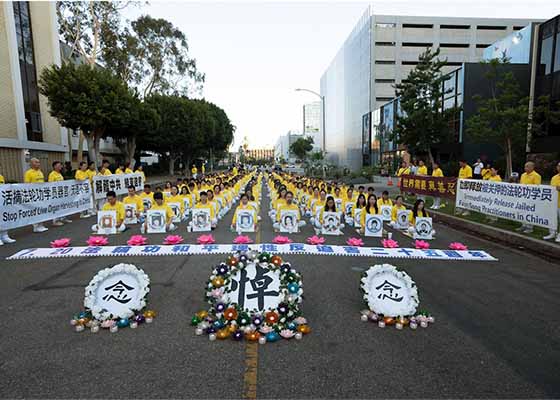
[90,99]
[301,147]
[422,123]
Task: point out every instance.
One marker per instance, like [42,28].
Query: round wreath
[226,318]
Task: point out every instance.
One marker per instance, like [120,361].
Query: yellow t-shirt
[118,207]
[208,206]
[241,207]
[33,176]
[55,177]
[394,212]
[128,171]
[364,212]
[286,207]
[81,175]
[485,172]
[423,170]
[168,211]
[421,214]
[555,181]
[194,170]
[176,199]
[494,178]
[137,200]
[532,178]
[465,172]
[381,202]
[403,171]
[2,179]
[437,172]
[91,174]
[106,172]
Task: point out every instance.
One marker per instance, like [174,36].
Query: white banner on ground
[31,203]
[292,248]
[118,183]
[528,204]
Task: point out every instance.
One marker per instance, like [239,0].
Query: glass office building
[516,47]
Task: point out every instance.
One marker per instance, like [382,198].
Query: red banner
[428,185]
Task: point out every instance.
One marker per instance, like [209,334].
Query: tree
[219,135]
[301,147]
[422,122]
[90,99]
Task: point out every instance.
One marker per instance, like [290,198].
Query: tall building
[282,146]
[28,42]
[380,52]
[312,123]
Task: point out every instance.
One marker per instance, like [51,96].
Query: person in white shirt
[477,169]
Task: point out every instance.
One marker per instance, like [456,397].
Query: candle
[298,336]
[381,324]
[413,325]
[424,324]
[398,325]
[262,340]
[198,331]
[94,328]
[212,337]
[149,320]
[364,318]
[133,325]
[79,328]
[114,329]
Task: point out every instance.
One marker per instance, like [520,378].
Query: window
[410,63]
[557,54]
[384,81]
[482,46]
[454,45]
[413,44]
[418,26]
[518,28]
[385,25]
[24,35]
[385,62]
[491,28]
[455,27]
[384,43]
[385,99]
[546,54]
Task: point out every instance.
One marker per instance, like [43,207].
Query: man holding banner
[529,177]
[56,176]
[35,175]
[555,182]
[4,238]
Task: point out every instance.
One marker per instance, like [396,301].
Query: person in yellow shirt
[120,169]
[288,206]
[529,177]
[2,180]
[113,205]
[4,237]
[194,171]
[203,169]
[330,206]
[140,170]
[422,169]
[361,203]
[243,205]
[371,208]
[35,175]
[555,183]
[136,200]
[485,172]
[81,173]
[56,176]
[436,173]
[396,208]
[234,170]
[175,198]
[127,169]
[104,170]
[147,197]
[91,172]
[493,175]
[204,204]
[160,204]
[403,170]
[417,211]
[465,172]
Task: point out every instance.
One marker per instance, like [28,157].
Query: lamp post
[322,114]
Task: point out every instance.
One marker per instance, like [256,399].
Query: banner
[118,183]
[31,203]
[528,204]
[429,185]
[292,248]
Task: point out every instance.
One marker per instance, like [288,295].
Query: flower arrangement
[97,241]
[137,240]
[242,239]
[421,244]
[100,311]
[205,239]
[173,239]
[315,240]
[64,242]
[355,242]
[457,246]
[230,316]
[390,243]
[281,240]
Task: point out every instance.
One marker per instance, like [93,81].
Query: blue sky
[256,53]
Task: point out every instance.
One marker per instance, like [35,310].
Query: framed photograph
[385,211]
[186,206]
[107,222]
[176,208]
[201,221]
[289,221]
[358,217]
[130,214]
[331,223]
[373,225]
[338,204]
[245,220]
[155,221]
[348,209]
[402,219]
[147,202]
[423,228]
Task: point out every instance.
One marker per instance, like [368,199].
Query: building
[282,146]
[259,154]
[379,53]
[28,42]
[312,123]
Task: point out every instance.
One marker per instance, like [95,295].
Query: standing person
[35,175]
[127,169]
[194,171]
[120,169]
[104,170]
[555,182]
[486,171]
[56,176]
[82,175]
[140,170]
[203,169]
[403,170]
[529,177]
[91,171]
[477,166]
[422,170]
[437,173]
[493,176]
[465,172]
[4,238]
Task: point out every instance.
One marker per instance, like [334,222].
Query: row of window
[442,45]
[393,62]
[431,26]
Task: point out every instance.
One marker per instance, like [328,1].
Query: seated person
[330,206]
[133,198]
[396,208]
[289,206]
[243,205]
[370,208]
[159,204]
[204,204]
[417,211]
[113,205]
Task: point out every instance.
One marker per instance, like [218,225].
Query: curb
[537,247]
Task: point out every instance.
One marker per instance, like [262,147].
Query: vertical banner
[31,203]
[429,185]
[528,204]
[118,183]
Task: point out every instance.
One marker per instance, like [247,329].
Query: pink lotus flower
[64,242]
[205,239]
[265,329]
[457,246]
[137,240]
[108,323]
[173,239]
[421,244]
[97,241]
[281,240]
[300,320]
[217,293]
[287,334]
[242,239]
[355,242]
[315,240]
[390,243]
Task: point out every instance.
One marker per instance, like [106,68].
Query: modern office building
[28,42]
[312,123]
[380,52]
[282,146]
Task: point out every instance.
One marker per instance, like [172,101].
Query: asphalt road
[497,330]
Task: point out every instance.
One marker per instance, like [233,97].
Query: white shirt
[478,168]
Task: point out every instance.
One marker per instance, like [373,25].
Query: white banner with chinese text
[118,183]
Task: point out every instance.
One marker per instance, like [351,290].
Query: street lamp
[323,113]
